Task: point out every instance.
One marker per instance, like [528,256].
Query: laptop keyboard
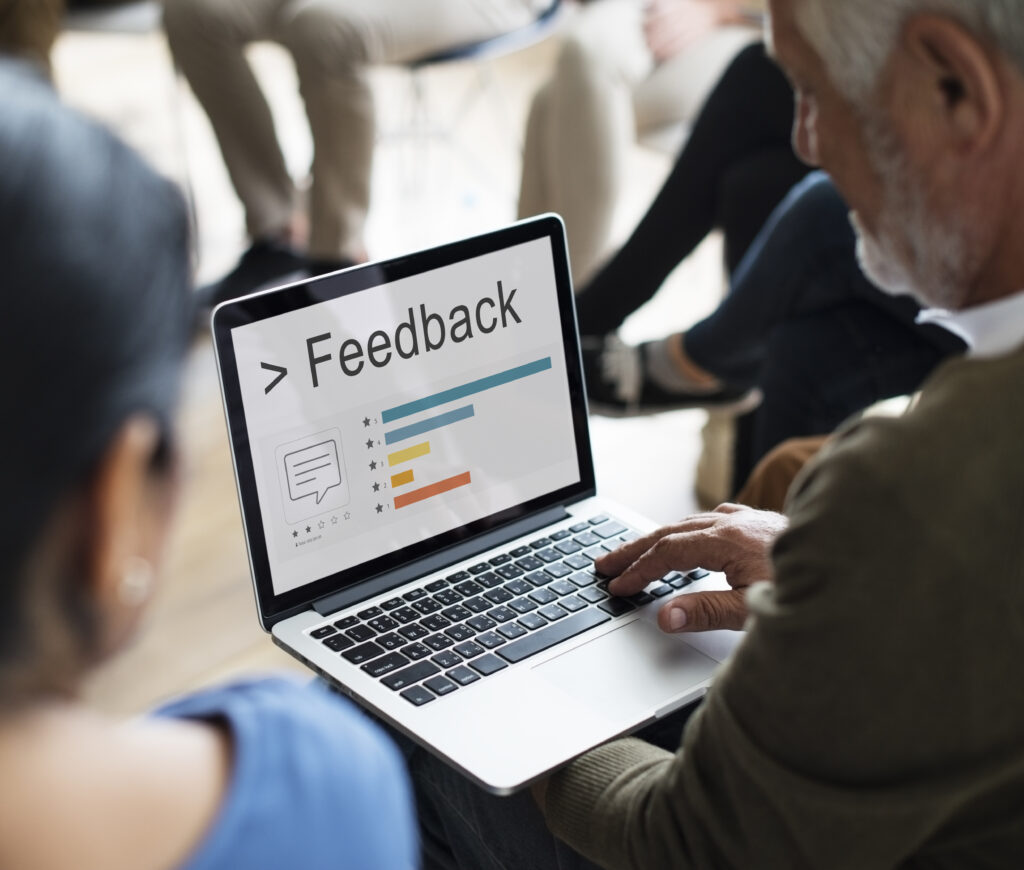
[451,632]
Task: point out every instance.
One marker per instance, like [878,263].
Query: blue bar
[469,389]
[428,425]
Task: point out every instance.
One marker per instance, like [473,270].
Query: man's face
[904,246]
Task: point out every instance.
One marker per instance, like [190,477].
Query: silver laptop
[414,469]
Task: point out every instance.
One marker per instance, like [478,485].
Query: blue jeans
[804,324]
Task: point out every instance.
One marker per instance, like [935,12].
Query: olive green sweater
[874,714]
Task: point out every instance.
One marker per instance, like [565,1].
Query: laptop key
[405,615]
[568,547]
[435,622]
[558,569]
[697,574]
[540,543]
[548,554]
[459,632]
[509,572]
[579,527]
[414,594]
[577,561]
[347,622]
[440,685]
[512,630]
[609,530]
[583,578]
[479,568]
[543,596]
[457,577]
[523,605]
[519,587]
[596,552]
[392,603]
[477,604]
[359,633]
[469,587]
[383,623]
[501,614]
[616,606]
[592,595]
[338,642]
[415,652]
[498,596]
[661,590]
[462,675]
[446,659]
[532,621]
[363,653]
[529,563]
[488,664]
[587,539]
[322,631]
[387,664]
[436,586]
[426,605]
[546,638]
[572,603]
[562,587]
[391,641]
[552,612]
[596,521]
[560,535]
[469,649]
[539,578]
[489,580]
[480,623]
[489,639]
[519,551]
[500,559]
[408,676]
[413,632]
[447,597]
[418,695]
[641,598]
[369,613]
[456,613]
[438,642]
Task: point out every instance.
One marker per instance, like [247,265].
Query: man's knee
[184,18]
[326,38]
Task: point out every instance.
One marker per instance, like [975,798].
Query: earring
[136,581]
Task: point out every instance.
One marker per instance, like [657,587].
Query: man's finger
[674,552]
[704,611]
[617,561]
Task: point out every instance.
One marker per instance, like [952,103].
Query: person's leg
[580,126]
[768,485]
[332,42]
[207,39]
[749,111]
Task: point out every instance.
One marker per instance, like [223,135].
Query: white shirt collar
[993,329]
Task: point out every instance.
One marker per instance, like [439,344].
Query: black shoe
[618,383]
[264,264]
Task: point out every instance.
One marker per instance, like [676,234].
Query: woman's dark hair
[94,308]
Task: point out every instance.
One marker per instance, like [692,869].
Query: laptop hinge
[383,582]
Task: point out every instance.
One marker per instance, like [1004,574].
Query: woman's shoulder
[313,780]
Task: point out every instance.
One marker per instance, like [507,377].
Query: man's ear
[128,519]
[960,76]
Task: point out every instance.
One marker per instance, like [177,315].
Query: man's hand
[733,539]
[670,26]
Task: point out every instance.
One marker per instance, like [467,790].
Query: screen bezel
[252,309]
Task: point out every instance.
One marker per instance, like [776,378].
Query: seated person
[869,718]
[96,323]
[625,68]
[28,29]
[331,42]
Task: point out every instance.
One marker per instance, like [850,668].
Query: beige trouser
[331,42]
[606,90]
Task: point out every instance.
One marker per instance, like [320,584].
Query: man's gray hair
[856,37]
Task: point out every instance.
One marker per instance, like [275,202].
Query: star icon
[321,524]
[295,534]
[380,508]
[366,421]
[334,521]
[308,530]
[373,465]
[369,444]
[348,516]
[376,487]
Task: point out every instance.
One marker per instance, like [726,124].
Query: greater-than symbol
[270,367]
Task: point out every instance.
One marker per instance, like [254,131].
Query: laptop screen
[392,410]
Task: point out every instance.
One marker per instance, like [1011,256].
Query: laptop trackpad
[636,665]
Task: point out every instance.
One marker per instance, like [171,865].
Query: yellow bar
[402,478]
[413,452]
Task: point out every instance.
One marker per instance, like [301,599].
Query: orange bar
[402,478]
[425,492]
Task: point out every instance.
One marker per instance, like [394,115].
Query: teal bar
[428,425]
[456,393]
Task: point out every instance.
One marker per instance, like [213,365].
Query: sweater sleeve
[809,750]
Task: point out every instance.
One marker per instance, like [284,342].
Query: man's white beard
[934,264]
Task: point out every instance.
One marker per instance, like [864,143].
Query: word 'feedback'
[429,331]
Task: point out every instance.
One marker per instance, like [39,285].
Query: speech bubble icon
[313,470]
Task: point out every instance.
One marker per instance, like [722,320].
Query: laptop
[417,490]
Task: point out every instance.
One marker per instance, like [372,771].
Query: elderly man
[871,717]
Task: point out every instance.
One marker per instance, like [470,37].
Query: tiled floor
[203,626]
